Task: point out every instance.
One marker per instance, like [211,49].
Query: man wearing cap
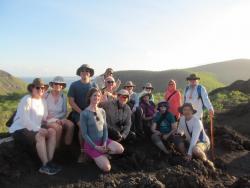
[197,95]
[100,80]
[118,116]
[77,98]
[195,137]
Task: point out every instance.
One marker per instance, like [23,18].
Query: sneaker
[54,166]
[83,158]
[47,170]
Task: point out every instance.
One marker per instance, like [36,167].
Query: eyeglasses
[96,117]
[110,82]
[149,88]
[129,86]
[38,88]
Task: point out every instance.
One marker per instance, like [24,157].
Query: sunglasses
[149,88]
[110,82]
[124,96]
[96,117]
[58,84]
[40,88]
[129,86]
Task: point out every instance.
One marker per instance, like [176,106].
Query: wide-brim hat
[84,67]
[109,78]
[109,70]
[37,82]
[148,85]
[129,84]
[193,77]
[163,103]
[143,94]
[180,109]
[58,80]
[123,92]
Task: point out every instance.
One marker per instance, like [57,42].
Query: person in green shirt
[164,125]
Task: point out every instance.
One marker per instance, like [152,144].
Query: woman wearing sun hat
[27,126]
[57,110]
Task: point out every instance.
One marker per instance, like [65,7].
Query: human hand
[101,149]
[211,113]
[188,157]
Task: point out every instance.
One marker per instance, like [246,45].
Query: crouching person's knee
[155,138]
[51,132]
[106,167]
[196,151]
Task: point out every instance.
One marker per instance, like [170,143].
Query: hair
[91,92]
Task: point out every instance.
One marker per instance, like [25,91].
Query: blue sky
[54,37]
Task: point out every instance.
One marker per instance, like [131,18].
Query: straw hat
[58,80]
[148,85]
[129,84]
[37,82]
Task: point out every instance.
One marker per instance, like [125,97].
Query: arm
[174,129]
[178,102]
[84,129]
[73,105]
[206,99]
[195,136]
[154,130]
[127,122]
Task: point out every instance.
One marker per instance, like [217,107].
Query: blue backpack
[199,95]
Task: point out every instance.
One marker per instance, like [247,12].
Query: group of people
[106,117]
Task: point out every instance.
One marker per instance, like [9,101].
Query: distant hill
[239,85]
[227,71]
[10,84]
[161,78]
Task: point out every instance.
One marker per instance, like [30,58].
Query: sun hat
[180,109]
[192,77]
[163,103]
[123,92]
[129,84]
[84,67]
[143,94]
[58,80]
[109,78]
[37,82]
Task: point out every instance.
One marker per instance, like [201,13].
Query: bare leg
[197,152]
[51,143]
[69,131]
[58,129]
[80,136]
[158,142]
[115,148]
[41,148]
[103,163]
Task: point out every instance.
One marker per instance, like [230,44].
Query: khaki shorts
[204,146]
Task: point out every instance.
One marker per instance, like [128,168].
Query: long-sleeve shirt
[118,117]
[196,129]
[94,127]
[193,98]
[30,114]
[56,109]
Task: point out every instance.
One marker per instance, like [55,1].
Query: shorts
[74,117]
[25,137]
[92,152]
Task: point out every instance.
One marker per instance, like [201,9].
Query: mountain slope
[227,71]
[159,79]
[10,84]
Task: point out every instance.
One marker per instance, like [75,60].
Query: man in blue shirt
[77,98]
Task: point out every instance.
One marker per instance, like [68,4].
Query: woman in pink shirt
[173,97]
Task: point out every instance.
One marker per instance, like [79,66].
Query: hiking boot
[83,158]
[54,166]
[47,170]
[210,164]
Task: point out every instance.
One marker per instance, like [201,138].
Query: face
[110,84]
[95,98]
[57,87]
[187,112]
[129,88]
[38,91]
[146,98]
[163,109]
[85,74]
[171,85]
[123,99]
[148,89]
[193,82]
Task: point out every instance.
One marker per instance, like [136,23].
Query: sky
[55,37]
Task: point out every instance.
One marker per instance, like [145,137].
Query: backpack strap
[185,93]
[201,136]
[200,96]
[171,95]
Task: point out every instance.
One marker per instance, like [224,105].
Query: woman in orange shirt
[173,97]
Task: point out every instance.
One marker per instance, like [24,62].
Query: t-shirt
[78,91]
[164,125]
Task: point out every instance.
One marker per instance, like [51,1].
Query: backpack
[11,119]
[199,95]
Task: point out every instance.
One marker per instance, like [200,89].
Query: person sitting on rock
[119,117]
[27,127]
[173,97]
[148,111]
[100,80]
[108,93]
[95,132]
[164,126]
[57,110]
[195,136]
